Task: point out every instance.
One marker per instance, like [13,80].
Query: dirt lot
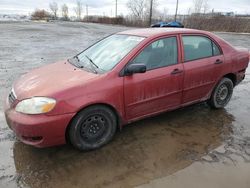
[191,147]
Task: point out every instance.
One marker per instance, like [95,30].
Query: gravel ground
[194,146]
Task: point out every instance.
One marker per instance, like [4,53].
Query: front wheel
[221,94]
[92,128]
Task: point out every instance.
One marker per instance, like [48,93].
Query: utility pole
[176,10]
[116,8]
[87,12]
[150,12]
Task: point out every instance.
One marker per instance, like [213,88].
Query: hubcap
[223,95]
[93,128]
[223,92]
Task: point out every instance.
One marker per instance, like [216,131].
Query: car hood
[50,79]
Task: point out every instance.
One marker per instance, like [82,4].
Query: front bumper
[38,130]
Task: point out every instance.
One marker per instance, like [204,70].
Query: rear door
[203,61]
[160,87]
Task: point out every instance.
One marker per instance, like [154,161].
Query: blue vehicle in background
[168,24]
[159,24]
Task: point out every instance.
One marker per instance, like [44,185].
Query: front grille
[12,97]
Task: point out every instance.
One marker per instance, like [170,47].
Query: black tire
[92,128]
[222,93]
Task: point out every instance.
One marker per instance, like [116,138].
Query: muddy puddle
[143,151]
[176,149]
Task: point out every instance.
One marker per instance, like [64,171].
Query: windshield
[107,53]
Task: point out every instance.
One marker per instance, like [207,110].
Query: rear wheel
[92,128]
[221,94]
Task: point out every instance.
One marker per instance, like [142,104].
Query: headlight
[36,105]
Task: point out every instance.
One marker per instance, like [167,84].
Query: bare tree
[197,6]
[200,6]
[137,8]
[65,12]
[161,15]
[142,9]
[205,6]
[54,8]
[78,9]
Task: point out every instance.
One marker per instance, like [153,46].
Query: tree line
[199,16]
[140,11]
[41,14]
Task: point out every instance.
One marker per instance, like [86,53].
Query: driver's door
[160,87]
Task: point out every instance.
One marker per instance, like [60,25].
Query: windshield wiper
[77,58]
[91,61]
[77,62]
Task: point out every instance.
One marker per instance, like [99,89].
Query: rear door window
[198,47]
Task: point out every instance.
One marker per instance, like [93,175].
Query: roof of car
[150,32]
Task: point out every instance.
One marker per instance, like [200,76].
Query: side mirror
[135,68]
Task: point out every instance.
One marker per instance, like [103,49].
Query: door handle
[218,61]
[176,71]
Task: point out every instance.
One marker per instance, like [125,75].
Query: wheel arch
[112,108]
[229,76]
[232,77]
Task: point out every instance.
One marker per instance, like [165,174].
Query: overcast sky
[107,7]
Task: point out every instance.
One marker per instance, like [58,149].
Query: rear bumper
[240,76]
[38,130]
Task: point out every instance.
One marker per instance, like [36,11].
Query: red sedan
[123,78]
